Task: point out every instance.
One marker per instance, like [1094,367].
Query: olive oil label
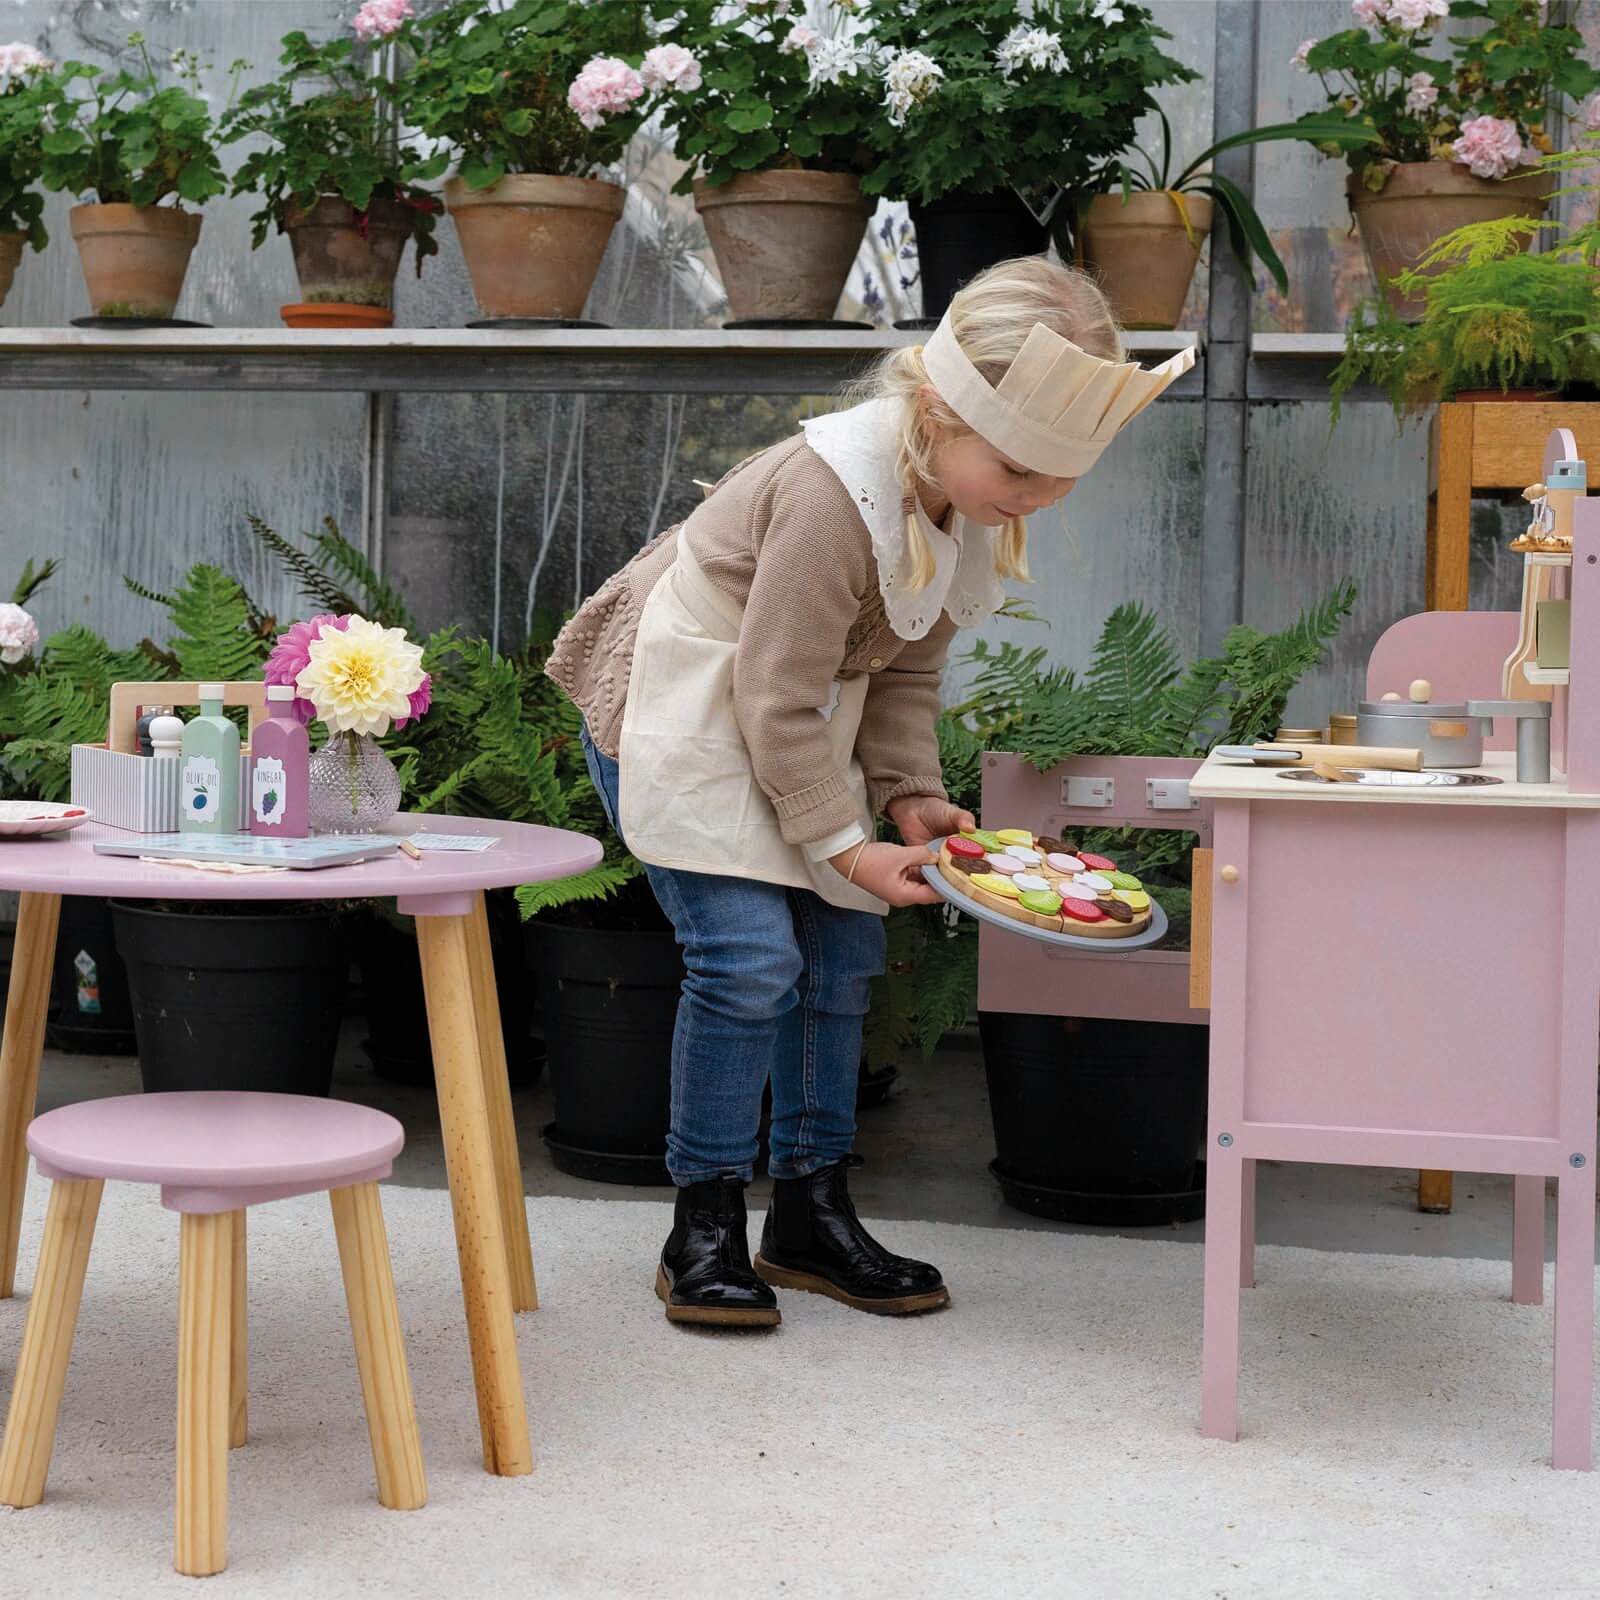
[268,791]
[202,785]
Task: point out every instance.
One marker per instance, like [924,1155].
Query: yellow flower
[360,678]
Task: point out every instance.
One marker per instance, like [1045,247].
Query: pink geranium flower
[1490,146]
[291,655]
[670,66]
[605,86]
[377,19]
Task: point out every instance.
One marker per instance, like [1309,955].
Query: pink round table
[444,891]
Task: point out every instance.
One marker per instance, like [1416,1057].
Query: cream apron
[688,795]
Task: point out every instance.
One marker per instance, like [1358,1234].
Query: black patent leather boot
[814,1240]
[705,1274]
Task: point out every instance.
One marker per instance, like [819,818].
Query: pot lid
[1411,708]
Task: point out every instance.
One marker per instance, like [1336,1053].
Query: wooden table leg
[205,1310]
[239,1340]
[1451,545]
[444,942]
[1435,1191]
[502,1123]
[47,1340]
[27,1002]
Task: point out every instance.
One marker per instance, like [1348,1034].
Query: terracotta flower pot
[334,314]
[784,241]
[1423,201]
[1142,254]
[10,255]
[134,257]
[534,243]
[341,259]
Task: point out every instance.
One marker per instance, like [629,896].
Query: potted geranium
[1497,322]
[25,95]
[132,144]
[529,103]
[771,122]
[360,679]
[330,172]
[993,113]
[1459,129]
[1141,232]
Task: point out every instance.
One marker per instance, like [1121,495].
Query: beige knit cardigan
[781,536]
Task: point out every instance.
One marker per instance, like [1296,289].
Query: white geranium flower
[833,60]
[909,79]
[1108,12]
[17,60]
[1036,48]
[1421,92]
[19,634]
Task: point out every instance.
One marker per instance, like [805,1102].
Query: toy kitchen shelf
[560,360]
[1411,978]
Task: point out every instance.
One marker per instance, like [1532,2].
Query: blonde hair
[991,317]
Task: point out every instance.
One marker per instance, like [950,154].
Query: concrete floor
[927,1153]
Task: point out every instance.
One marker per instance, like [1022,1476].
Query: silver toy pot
[1445,733]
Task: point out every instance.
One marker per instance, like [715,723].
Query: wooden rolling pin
[1350,755]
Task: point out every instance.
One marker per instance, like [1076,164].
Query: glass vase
[354,787]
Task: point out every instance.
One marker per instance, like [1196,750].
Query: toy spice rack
[140,793]
[1541,661]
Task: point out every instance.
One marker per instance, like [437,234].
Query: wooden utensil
[1351,755]
[1333,774]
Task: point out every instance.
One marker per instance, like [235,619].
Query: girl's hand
[921,817]
[893,872]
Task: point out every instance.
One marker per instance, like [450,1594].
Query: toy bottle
[208,782]
[280,769]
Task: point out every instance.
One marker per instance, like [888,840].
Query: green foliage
[128,140]
[1495,316]
[1038,131]
[25,102]
[328,121]
[218,638]
[757,108]
[1517,67]
[33,579]
[492,85]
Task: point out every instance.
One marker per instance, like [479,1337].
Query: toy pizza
[1045,883]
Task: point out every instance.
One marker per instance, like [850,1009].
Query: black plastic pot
[609,1000]
[1097,1121]
[397,1010]
[91,1012]
[960,234]
[226,1001]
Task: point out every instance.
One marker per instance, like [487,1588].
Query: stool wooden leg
[474,1195]
[205,1312]
[502,1124]
[47,1340]
[239,1340]
[27,1001]
[1435,1191]
[380,1347]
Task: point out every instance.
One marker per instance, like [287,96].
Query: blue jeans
[777,983]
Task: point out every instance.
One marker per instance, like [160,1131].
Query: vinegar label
[268,791]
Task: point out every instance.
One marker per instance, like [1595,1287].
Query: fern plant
[1134,699]
[1495,316]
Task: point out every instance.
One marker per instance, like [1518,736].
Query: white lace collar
[860,445]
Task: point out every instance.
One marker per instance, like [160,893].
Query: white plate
[21,818]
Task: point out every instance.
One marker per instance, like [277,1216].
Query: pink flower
[1370,11]
[421,698]
[1590,114]
[18,59]
[1421,92]
[19,634]
[1490,146]
[670,66]
[377,19]
[1298,59]
[291,655]
[604,87]
[802,38]
[1414,14]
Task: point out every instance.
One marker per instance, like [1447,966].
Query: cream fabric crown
[1057,407]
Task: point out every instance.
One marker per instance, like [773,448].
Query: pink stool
[213,1155]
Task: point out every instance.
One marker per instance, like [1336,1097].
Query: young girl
[759,685]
